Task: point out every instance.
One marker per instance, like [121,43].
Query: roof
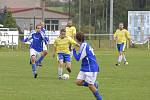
[17,10]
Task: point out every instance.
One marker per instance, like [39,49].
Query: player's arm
[45,38]
[73,42]
[81,54]
[115,36]
[129,38]
[27,39]
[128,35]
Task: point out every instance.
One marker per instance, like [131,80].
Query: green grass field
[130,82]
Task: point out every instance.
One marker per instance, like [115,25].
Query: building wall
[25,23]
[25,18]
[20,3]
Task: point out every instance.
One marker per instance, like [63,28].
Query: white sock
[124,58]
[60,70]
[120,58]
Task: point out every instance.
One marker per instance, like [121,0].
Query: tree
[9,21]
[98,19]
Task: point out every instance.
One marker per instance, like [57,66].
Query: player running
[89,67]
[36,47]
[61,47]
[121,35]
[45,42]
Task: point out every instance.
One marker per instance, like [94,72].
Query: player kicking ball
[61,47]
[89,67]
[36,48]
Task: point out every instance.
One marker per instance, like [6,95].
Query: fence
[96,40]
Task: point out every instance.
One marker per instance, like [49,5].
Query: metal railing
[96,40]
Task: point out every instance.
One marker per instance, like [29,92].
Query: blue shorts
[121,47]
[64,57]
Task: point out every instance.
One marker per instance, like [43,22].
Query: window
[51,24]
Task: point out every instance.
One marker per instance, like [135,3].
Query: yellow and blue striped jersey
[121,36]
[62,45]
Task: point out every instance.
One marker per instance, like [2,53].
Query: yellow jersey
[121,36]
[62,45]
[70,31]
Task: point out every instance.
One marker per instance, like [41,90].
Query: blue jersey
[86,54]
[43,29]
[44,35]
[37,43]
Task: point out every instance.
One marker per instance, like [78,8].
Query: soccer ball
[65,76]
[126,63]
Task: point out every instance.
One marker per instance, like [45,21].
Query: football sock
[34,68]
[96,94]
[86,84]
[124,58]
[60,70]
[40,60]
[120,58]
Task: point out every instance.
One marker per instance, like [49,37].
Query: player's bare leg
[79,82]
[119,58]
[44,53]
[92,87]
[68,66]
[124,58]
[95,91]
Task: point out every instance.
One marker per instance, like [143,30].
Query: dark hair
[80,37]
[37,25]
[62,30]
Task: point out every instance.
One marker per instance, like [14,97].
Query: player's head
[121,25]
[42,24]
[80,37]
[62,33]
[69,23]
[38,27]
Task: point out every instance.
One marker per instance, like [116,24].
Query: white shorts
[33,52]
[44,47]
[89,77]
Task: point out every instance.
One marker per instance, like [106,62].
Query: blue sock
[85,84]
[96,94]
[40,60]
[34,68]
[96,84]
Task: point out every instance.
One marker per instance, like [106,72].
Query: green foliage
[9,21]
[86,29]
[98,17]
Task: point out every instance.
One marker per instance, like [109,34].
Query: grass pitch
[130,82]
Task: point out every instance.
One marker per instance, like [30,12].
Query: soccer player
[36,47]
[61,47]
[45,42]
[121,35]
[89,67]
[70,30]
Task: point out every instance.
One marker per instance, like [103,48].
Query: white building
[28,12]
